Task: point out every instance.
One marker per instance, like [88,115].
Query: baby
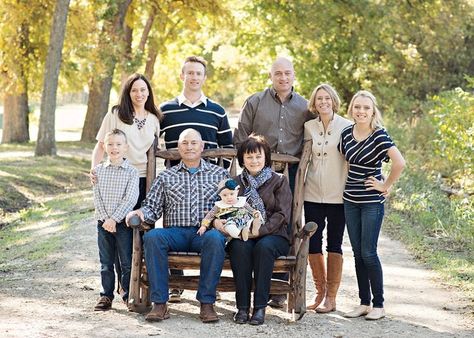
[241,218]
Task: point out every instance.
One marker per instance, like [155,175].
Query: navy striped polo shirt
[365,160]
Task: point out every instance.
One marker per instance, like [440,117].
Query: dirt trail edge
[55,298]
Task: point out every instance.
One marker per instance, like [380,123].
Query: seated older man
[184,193]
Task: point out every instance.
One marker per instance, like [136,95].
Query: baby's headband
[230,184]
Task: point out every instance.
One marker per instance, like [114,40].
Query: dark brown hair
[125,107]
[254,144]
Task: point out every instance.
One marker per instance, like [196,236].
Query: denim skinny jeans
[109,244]
[158,242]
[364,221]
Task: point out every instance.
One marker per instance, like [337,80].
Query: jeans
[255,256]
[334,215]
[364,221]
[110,244]
[158,242]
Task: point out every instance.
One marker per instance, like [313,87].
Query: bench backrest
[231,154]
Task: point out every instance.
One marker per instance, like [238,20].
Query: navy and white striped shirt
[208,118]
[184,196]
[365,160]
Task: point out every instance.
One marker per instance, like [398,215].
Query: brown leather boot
[316,262]
[208,314]
[333,281]
[158,313]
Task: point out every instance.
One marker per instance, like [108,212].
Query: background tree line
[403,51]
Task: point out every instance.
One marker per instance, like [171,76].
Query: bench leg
[299,280]
[138,300]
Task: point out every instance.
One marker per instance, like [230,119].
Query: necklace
[140,123]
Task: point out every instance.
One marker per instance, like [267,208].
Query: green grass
[438,230]
[40,199]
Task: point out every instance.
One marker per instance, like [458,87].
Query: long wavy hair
[377,121]
[125,109]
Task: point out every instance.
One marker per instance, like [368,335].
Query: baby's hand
[256,214]
[110,225]
[201,230]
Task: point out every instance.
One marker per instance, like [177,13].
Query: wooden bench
[295,263]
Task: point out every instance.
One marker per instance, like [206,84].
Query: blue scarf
[251,185]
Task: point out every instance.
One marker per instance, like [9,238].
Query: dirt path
[55,297]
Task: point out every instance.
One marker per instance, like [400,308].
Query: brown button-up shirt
[282,123]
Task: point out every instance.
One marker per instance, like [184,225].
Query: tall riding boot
[316,262]
[333,281]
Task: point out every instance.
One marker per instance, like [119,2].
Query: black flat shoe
[258,317]
[242,316]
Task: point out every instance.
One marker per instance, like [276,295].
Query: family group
[246,217]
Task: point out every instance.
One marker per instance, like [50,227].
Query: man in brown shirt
[278,113]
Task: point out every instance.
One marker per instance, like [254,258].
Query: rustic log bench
[295,263]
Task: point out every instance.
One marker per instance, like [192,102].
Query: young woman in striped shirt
[365,145]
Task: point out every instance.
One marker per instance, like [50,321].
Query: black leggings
[321,213]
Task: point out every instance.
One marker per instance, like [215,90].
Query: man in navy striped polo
[192,109]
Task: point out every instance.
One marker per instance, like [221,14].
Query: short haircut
[198,59]
[115,132]
[336,101]
[187,131]
[254,144]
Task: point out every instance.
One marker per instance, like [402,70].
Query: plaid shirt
[116,191]
[184,197]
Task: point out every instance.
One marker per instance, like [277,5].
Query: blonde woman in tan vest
[324,186]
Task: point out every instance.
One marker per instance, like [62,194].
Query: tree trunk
[150,61]
[46,143]
[15,118]
[97,106]
[127,53]
[15,112]
[101,84]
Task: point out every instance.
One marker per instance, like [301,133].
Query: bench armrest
[308,230]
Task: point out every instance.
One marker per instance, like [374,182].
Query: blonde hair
[377,121]
[336,101]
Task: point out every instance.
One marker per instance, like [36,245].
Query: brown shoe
[208,314]
[158,313]
[104,304]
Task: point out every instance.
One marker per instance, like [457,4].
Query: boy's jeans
[158,242]
[109,243]
[364,221]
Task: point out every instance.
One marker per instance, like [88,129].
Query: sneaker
[277,301]
[218,296]
[375,314]
[104,304]
[361,310]
[175,296]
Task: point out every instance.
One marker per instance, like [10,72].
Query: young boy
[115,194]
[241,218]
